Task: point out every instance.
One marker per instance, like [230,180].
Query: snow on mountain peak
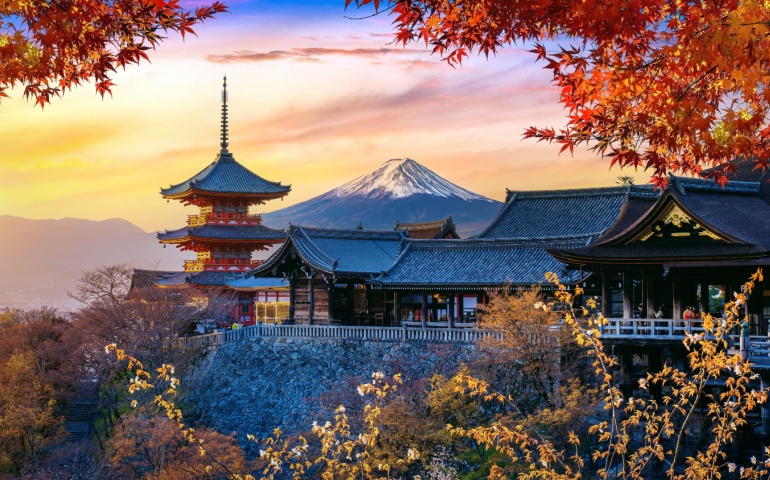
[403,177]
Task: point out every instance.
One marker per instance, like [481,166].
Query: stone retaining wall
[255,385]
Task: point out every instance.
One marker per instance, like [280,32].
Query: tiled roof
[255,283]
[225,175]
[739,213]
[343,252]
[477,263]
[561,213]
[223,232]
[208,279]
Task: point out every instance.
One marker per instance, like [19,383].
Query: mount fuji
[401,190]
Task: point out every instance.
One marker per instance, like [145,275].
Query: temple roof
[221,232]
[256,283]
[427,230]
[339,252]
[477,263]
[226,176]
[693,221]
[562,213]
[205,278]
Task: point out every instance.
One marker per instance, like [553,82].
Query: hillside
[40,259]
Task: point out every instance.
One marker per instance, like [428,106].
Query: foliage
[155,447]
[662,84]
[534,354]
[662,425]
[50,47]
[28,422]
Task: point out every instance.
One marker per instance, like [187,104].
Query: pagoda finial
[223,142]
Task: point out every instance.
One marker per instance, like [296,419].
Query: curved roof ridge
[573,192]
[227,175]
[314,253]
[350,233]
[510,197]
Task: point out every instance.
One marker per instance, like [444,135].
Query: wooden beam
[628,291]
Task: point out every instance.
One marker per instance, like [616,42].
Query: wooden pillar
[704,297]
[424,319]
[396,308]
[606,295]
[331,299]
[628,289]
[292,297]
[677,298]
[451,311]
[651,297]
[460,308]
[310,299]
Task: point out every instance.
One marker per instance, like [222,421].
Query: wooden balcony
[221,265]
[651,328]
[662,329]
[219,218]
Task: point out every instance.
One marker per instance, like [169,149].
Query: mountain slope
[40,259]
[401,190]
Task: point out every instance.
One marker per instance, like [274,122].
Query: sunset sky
[315,100]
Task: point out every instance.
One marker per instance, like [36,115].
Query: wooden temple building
[438,229]
[224,234]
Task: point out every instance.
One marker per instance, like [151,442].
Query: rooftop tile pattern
[740,212]
[477,263]
[359,253]
[225,175]
[561,213]
[223,232]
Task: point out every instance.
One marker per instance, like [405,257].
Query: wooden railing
[650,327]
[395,334]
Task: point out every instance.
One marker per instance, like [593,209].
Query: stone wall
[255,385]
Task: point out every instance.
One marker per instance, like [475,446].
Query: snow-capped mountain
[400,190]
[403,177]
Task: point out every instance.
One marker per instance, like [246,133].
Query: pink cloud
[307,54]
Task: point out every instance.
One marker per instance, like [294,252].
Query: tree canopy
[49,47]
[665,85]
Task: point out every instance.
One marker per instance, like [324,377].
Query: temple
[224,234]
[689,248]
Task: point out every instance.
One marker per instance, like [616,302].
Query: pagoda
[223,234]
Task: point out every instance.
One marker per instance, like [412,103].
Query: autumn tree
[29,424]
[50,47]
[145,321]
[155,447]
[660,84]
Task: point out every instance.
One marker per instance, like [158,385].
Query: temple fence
[394,334]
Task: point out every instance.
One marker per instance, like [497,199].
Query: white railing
[650,328]
[395,334]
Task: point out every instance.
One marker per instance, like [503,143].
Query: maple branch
[710,71]
[369,16]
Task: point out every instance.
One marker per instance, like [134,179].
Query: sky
[315,100]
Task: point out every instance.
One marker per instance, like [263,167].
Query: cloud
[306,54]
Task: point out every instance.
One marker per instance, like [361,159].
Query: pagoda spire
[223,143]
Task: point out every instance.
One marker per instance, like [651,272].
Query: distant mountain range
[41,259]
[401,190]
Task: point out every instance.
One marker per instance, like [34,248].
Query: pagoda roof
[562,213]
[339,252]
[221,232]
[428,230]
[692,221]
[477,264]
[226,176]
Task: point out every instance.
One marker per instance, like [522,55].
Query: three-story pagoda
[224,234]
